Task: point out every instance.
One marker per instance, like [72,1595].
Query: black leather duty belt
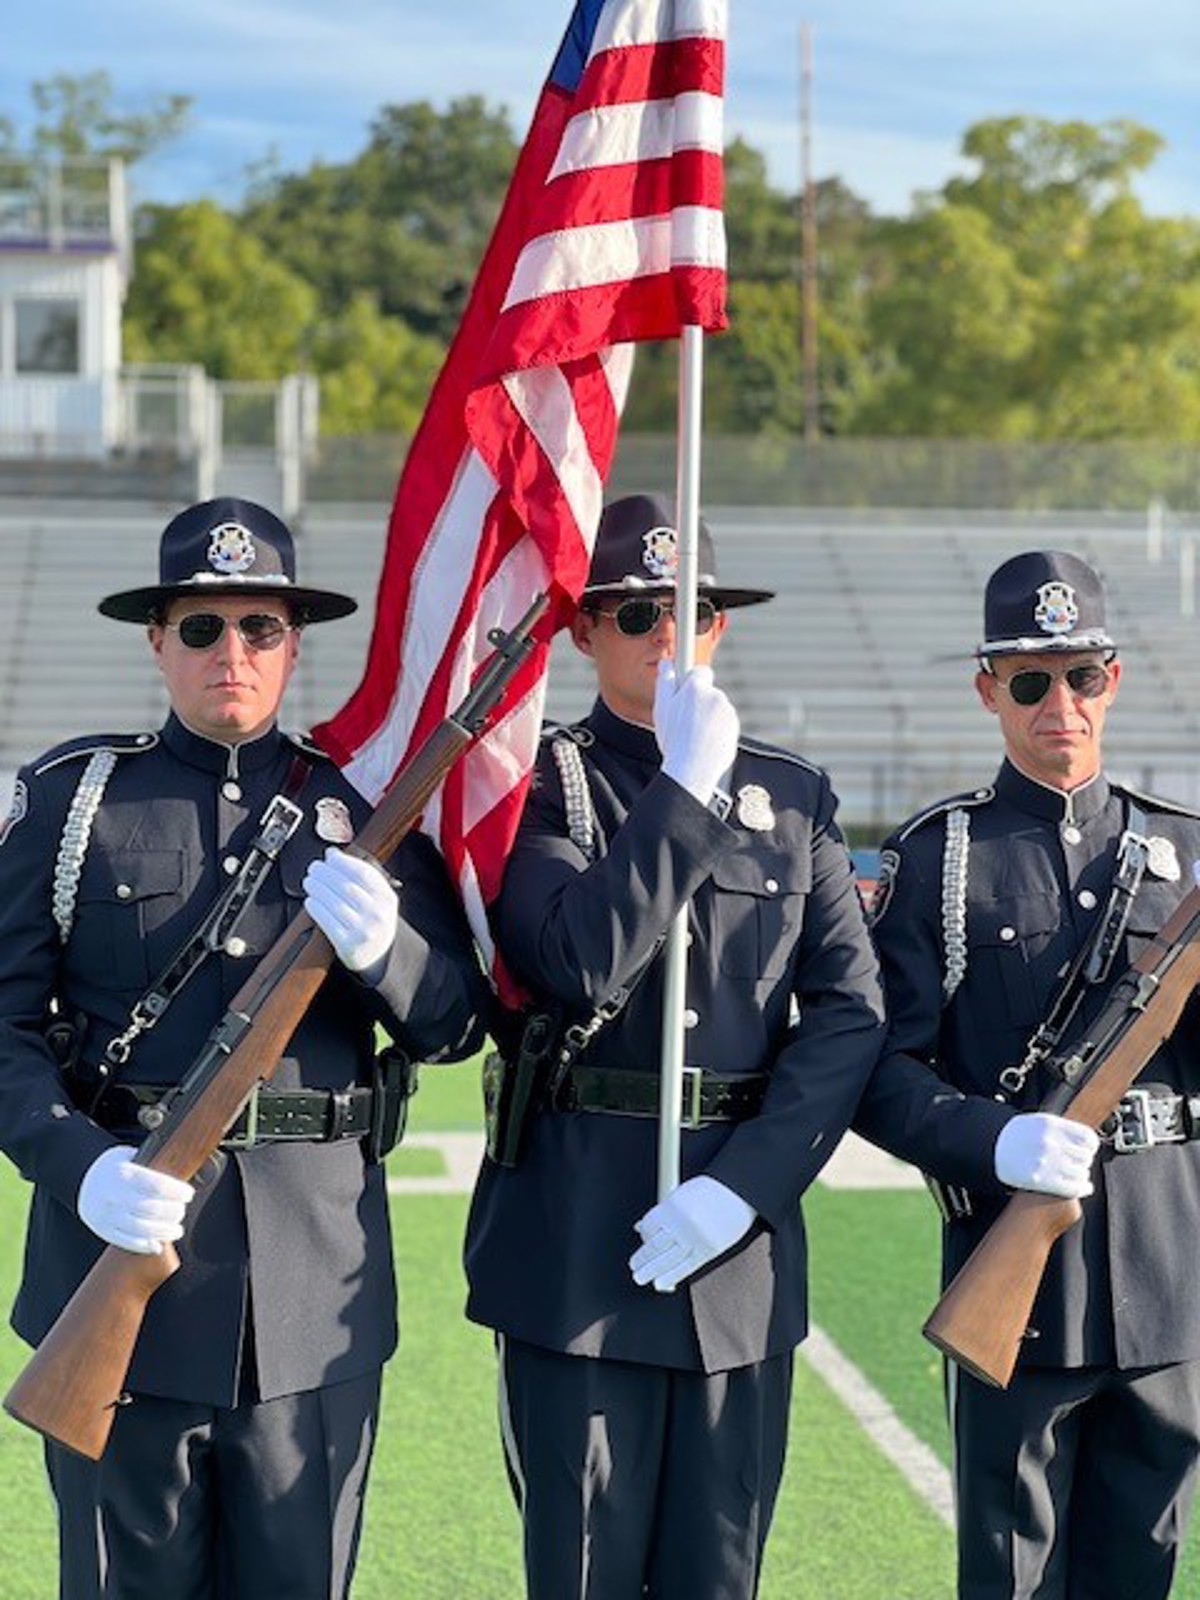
[1146,1117]
[707,1096]
[270,1116]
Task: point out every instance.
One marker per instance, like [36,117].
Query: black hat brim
[726,599]
[144,605]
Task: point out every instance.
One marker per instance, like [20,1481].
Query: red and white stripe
[611,232]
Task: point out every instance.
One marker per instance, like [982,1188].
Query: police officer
[646,1349]
[240,1465]
[996,916]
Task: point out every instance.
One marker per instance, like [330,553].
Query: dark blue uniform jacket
[290,1239]
[1119,1290]
[781,979]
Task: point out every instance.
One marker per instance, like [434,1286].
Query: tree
[207,292]
[1035,298]
[77,118]
[407,221]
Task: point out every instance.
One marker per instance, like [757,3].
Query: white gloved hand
[695,1223]
[355,907]
[1051,1155]
[131,1205]
[697,729]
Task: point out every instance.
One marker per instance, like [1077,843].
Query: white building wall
[62,415]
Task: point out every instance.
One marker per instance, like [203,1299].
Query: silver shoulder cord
[77,831]
[954,900]
[581,827]
[577,797]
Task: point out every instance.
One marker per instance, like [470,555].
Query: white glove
[695,1223]
[355,907]
[697,729]
[1049,1154]
[131,1205]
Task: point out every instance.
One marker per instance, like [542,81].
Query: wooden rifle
[982,1316]
[72,1384]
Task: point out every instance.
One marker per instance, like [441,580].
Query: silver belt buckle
[248,1138]
[1135,1125]
[693,1082]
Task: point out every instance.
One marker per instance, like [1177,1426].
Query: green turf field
[440,1524]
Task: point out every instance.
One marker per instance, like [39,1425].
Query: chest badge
[1161,859]
[333,821]
[754,809]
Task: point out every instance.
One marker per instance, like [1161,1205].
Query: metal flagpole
[687,513]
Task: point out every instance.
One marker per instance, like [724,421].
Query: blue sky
[895,86]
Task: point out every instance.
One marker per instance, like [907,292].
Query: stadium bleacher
[862,663]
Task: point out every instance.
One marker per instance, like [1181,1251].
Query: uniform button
[690,1018]
[771,885]
[981,794]
[231,790]
[1087,899]
[1008,934]
[689,938]
[1071,833]
[235,945]
[230,865]
[123,891]
[144,738]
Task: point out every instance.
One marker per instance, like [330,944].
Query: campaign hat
[226,546]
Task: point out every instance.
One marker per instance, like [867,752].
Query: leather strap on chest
[1093,960]
[279,822]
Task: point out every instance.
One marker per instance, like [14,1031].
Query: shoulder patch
[889,871]
[972,797]
[121,744]
[17,810]
[1155,802]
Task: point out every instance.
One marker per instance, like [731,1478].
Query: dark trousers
[1075,1483]
[199,1502]
[640,1481]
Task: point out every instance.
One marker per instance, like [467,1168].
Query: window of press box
[47,336]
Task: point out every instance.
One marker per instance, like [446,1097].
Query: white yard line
[461,1153]
[855,1165]
[912,1458]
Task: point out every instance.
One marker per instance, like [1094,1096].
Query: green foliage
[1030,299]
[406,221]
[207,291]
[77,117]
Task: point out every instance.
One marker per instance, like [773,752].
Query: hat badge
[1056,610]
[660,552]
[230,548]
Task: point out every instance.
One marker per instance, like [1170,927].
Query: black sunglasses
[200,630]
[1032,685]
[637,617]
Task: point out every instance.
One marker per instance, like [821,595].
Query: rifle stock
[71,1386]
[983,1315]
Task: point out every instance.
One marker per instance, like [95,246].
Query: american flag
[611,232]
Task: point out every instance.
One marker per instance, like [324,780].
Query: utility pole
[808,246]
